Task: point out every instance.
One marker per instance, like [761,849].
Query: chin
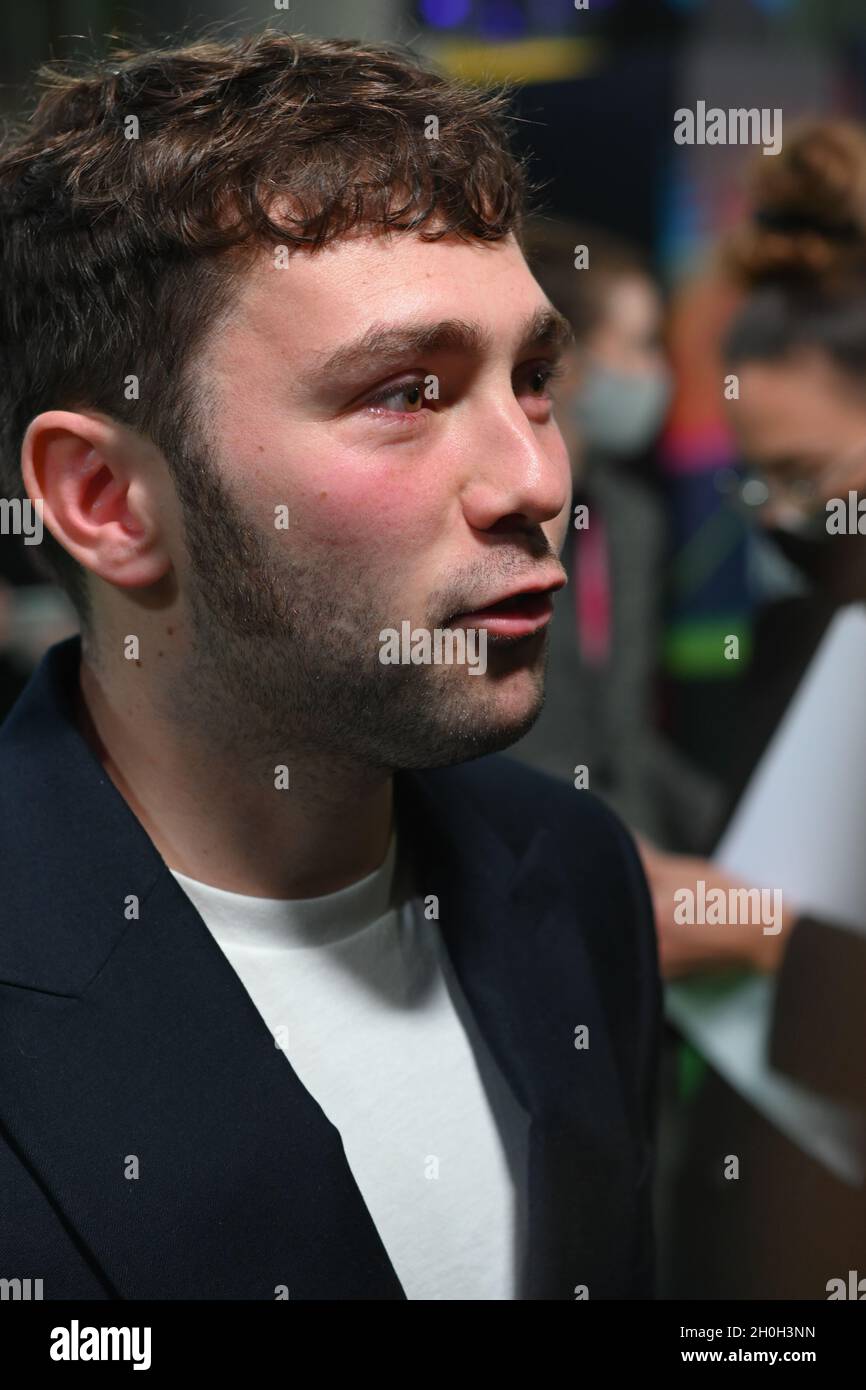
[506,719]
[474,733]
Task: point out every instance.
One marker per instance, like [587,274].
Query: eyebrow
[383,343]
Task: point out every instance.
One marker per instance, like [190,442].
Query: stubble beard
[284,656]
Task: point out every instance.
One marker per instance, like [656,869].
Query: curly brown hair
[800,254]
[134,195]
[808,210]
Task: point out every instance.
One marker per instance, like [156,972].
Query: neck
[221,816]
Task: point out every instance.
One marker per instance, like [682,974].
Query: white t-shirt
[360,994]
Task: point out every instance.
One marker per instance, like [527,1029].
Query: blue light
[503,19]
[445,14]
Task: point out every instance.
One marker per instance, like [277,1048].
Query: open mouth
[521,615]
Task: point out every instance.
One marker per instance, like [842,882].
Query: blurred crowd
[760,1187]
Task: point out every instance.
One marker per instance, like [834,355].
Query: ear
[98,483]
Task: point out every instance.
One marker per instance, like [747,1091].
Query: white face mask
[620,413]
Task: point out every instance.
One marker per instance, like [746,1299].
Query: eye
[408,395]
[541,374]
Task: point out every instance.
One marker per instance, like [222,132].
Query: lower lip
[520,620]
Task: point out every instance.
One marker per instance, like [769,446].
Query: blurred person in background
[599,710]
[798,347]
[33,616]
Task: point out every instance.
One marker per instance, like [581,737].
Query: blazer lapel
[514,934]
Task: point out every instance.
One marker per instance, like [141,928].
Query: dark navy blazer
[127,1037]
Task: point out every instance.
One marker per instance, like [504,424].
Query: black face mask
[836,565]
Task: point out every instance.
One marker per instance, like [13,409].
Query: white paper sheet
[800,826]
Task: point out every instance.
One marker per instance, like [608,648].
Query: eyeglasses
[750,490]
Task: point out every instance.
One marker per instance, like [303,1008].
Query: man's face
[403,506]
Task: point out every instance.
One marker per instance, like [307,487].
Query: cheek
[355,506]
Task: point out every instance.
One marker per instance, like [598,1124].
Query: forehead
[633,300]
[316,301]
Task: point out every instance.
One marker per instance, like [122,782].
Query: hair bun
[808,218]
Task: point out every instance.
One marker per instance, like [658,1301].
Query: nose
[518,470]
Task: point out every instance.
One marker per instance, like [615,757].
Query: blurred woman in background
[798,348]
